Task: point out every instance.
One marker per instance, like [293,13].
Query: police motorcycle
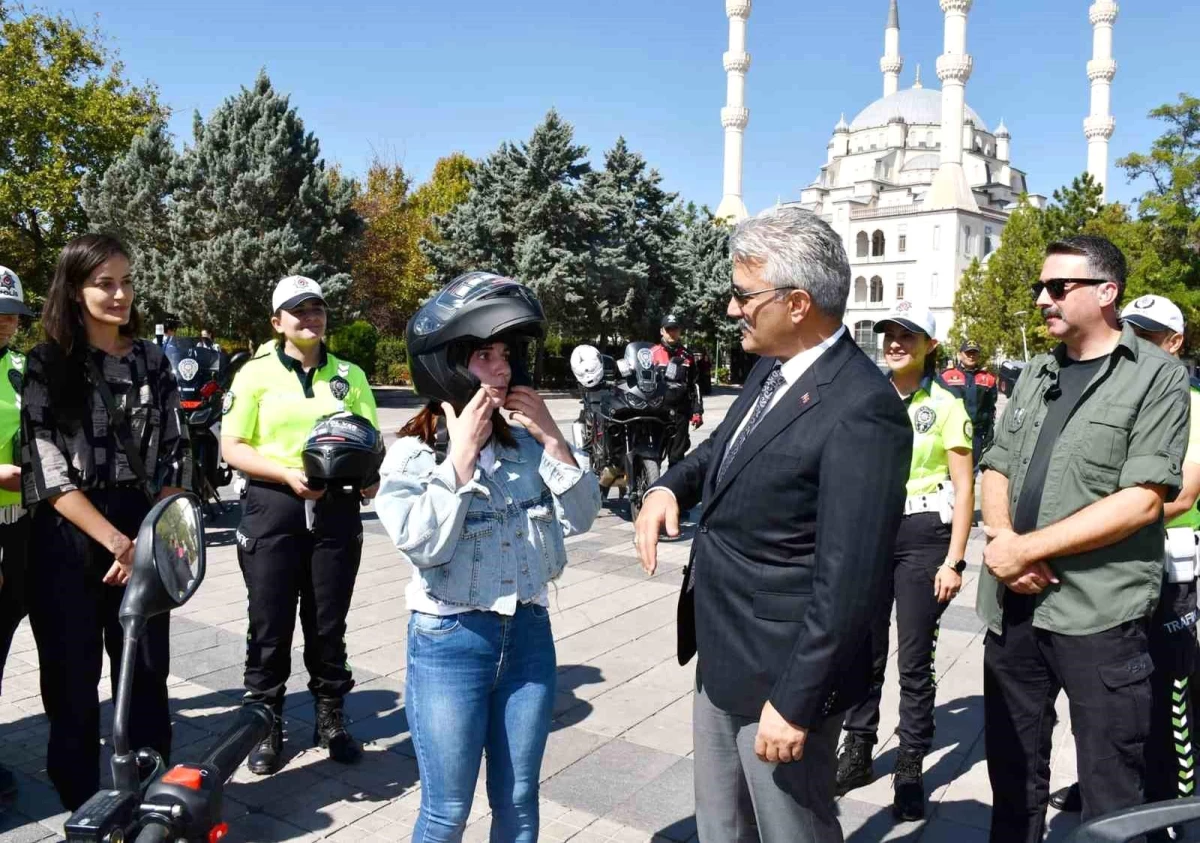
[624,426]
[183,803]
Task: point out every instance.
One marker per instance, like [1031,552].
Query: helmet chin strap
[441,440]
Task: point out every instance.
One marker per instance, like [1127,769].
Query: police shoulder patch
[925,419]
[227,403]
[968,429]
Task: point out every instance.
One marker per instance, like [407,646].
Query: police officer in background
[978,389]
[1169,763]
[274,401]
[14,526]
[683,389]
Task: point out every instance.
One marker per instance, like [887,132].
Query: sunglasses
[1057,287]
[741,296]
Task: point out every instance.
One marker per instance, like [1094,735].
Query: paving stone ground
[619,763]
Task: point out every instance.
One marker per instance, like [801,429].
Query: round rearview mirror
[179,548]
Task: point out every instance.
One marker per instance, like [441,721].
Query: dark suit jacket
[793,551]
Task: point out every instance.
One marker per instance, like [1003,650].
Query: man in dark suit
[803,486]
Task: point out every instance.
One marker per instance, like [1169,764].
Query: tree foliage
[65,110]
[707,275]
[993,300]
[390,271]
[249,202]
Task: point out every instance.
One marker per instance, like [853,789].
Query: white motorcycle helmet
[587,366]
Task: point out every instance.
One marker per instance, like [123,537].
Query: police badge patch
[925,420]
[339,387]
[968,429]
[227,403]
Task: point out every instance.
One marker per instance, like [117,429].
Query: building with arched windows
[913,214]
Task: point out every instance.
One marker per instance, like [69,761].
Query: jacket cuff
[1162,469]
[445,476]
[558,476]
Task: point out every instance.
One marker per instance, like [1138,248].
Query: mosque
[917,183]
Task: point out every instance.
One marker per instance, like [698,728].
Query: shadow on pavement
[569,709]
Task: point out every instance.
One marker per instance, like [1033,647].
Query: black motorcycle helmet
[343,453]
[472,309]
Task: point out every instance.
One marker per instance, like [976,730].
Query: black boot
[909,784]
[854,764]
[330,732]
[267,757]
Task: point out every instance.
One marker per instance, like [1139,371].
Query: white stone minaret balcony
[1099,126]
[735,116]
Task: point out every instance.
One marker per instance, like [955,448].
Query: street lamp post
[1024,344]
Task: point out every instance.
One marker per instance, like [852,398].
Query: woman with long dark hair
[88,501]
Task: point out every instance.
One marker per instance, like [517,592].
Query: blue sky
[412,81]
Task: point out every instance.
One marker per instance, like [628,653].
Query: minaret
[950,188]
[891,64]
[1099,125]
[735,115]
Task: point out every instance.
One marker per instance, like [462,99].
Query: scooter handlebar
[230,750]
[153,833]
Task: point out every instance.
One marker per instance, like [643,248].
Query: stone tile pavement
[619,763]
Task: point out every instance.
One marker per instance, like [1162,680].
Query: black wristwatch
[958,567]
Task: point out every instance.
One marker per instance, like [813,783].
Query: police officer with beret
[683,386]
[295,543]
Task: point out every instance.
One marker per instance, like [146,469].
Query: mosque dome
[917,106]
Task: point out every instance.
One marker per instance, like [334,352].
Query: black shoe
[330,732]
[1067,799]
[854,764]
[267,757]
[909,802]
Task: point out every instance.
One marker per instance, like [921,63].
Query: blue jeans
[480,682]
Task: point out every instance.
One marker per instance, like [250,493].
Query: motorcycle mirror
[168,564]
[1132,823]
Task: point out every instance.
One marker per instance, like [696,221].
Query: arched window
[867,339]
[877,244]
[861,244]
[968,241]
[860,290]
[876,290]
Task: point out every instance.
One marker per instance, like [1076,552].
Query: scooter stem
[124,764]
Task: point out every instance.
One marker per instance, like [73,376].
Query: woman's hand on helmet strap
[298,483]
[530,411]
[469,432]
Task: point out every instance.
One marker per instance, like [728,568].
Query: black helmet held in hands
[471,310]
[343,454]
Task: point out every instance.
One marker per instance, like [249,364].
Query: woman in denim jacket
[483,528]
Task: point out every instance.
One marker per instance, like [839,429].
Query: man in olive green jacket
[1090,445]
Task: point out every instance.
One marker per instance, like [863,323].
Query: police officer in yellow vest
[14,526]
[929,559]
[1170,762]
[293,543]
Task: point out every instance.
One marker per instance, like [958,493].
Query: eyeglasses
[741,296]
[1057,287]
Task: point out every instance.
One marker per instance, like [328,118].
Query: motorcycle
[183,803]
[203,375]
[624,426]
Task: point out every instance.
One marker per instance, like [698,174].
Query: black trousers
[74,619]
[14,540]
[284,562]
[1170,751]
[1107,679]
[921,546]
[680,438]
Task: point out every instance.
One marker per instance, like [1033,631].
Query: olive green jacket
[1129,428]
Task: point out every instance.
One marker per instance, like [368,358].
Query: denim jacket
[495,540]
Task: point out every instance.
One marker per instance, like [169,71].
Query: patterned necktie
[769,388]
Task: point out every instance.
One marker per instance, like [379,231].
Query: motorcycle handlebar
[230,749]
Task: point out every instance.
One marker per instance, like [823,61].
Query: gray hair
[799,250]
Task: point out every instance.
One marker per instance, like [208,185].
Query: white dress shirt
[791,370]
